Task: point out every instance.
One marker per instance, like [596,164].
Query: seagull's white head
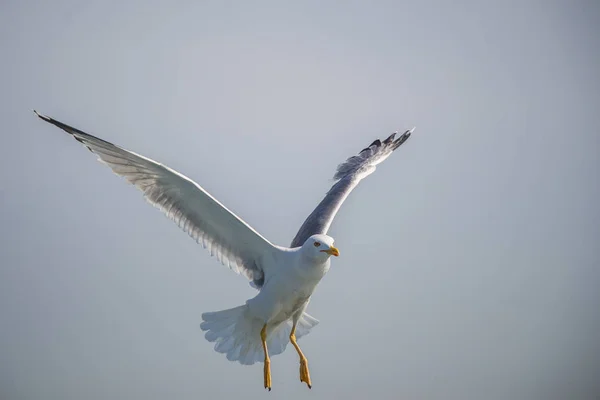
[320,247]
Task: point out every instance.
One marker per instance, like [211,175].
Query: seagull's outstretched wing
[225,235]
[347,175]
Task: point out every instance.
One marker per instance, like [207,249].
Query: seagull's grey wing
[221,232]
[347,175]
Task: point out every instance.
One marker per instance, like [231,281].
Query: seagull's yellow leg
[304,374]
[267,371]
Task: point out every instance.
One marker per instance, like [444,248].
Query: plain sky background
[470,259]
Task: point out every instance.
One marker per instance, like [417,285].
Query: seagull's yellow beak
[332,251]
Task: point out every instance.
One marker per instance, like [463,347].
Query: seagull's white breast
[289,288]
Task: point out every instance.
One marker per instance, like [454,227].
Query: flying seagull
[285,276]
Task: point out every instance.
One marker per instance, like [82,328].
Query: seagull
[285,277]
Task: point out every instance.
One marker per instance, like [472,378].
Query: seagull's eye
[317,244]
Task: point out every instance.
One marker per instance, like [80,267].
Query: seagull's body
[287,291]
[286,277]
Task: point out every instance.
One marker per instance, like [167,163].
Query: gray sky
[469,264]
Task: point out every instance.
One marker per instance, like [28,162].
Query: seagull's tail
[237,334]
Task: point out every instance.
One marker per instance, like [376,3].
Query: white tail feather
[237,334]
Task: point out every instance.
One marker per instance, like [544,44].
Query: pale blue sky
[469,267]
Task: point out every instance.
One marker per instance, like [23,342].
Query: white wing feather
[347,176]
[226,236]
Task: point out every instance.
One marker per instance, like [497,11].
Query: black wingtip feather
[376,143]
[402,138]
[77,134]
[390,138]
[45,118]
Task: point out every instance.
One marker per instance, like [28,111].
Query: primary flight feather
[285,276]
